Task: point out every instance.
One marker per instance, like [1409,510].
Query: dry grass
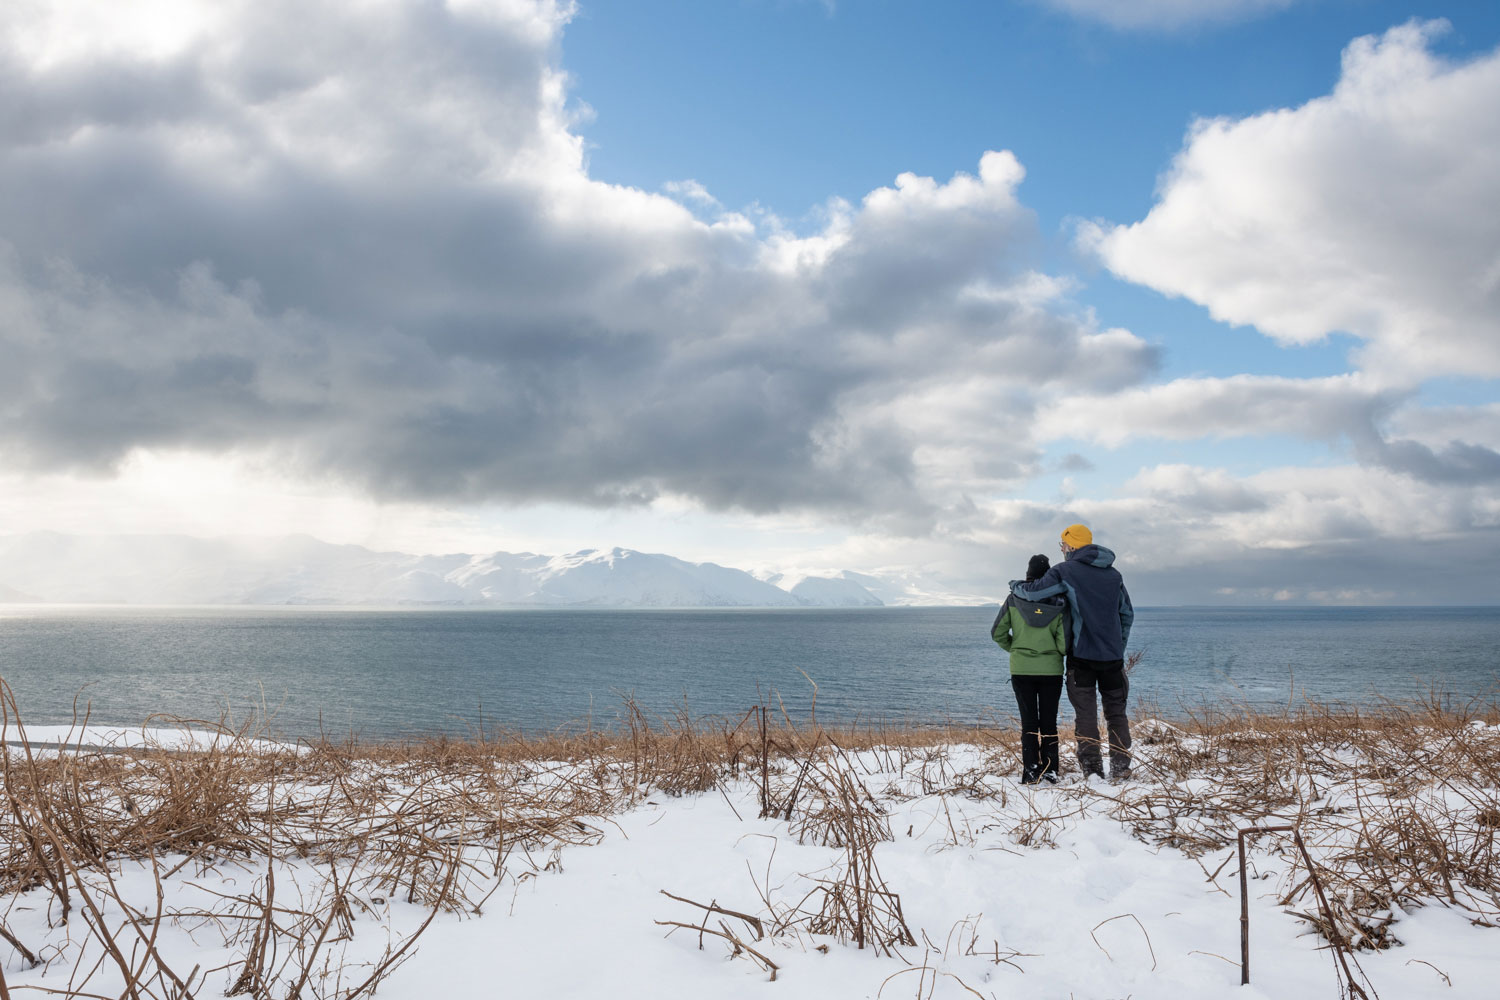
[438,825]
[1397,803]
[1401,807]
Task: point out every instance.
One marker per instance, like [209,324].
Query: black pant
[1037,699]
[1114,688]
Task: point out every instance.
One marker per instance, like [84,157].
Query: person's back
[1098,602]
[1035,634]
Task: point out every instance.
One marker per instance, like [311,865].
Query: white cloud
[363,237]
[1211,491]
[1369,211]
[1235,406]
[1166,14]
[1182,515]
[691,190]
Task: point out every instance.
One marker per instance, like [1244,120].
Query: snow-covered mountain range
[176,569]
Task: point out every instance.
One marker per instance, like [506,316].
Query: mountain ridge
[47,567]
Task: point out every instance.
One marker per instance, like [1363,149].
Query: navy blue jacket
[1097,601]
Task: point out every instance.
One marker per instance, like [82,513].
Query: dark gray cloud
[363,239]
[1458,462]
[1316,535]
[1388,570]
[1347,410]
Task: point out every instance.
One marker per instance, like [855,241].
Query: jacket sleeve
[1127,616]
[1049,585]
[1000,631]
[1060,626]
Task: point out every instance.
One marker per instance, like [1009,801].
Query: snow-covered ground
[1009,891]
[107,738]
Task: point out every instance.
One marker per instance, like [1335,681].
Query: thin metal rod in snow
[1245,897]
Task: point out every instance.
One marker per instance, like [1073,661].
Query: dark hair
[1037,568]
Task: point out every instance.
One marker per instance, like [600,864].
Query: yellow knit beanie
[1076,536]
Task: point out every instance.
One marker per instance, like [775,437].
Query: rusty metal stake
[765,768]
[1245,897]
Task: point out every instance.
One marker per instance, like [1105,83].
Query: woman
[1036,637]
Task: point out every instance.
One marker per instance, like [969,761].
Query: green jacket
[1035,636]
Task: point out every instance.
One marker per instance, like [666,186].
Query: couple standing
[1077,610]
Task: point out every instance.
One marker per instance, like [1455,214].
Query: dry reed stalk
[855,904]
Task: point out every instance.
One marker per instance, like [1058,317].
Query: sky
[785,285]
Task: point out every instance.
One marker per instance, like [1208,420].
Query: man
[1101,618]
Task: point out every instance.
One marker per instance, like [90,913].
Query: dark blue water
[404,672]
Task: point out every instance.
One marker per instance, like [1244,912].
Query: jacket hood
[1094,555]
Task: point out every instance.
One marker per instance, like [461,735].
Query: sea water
[405,672]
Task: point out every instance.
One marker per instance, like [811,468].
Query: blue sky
[760,282]
[789,103]
[786,103]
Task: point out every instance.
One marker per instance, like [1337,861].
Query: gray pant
[1108,677]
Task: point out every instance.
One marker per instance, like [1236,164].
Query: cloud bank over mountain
[359,246]
[46,567]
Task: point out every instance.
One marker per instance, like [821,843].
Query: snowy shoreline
[548,874]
